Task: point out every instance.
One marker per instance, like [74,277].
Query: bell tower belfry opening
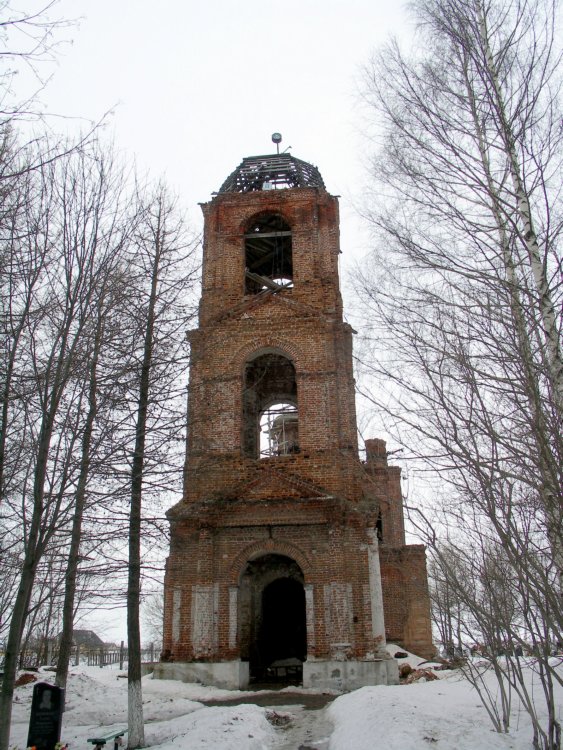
[288,555]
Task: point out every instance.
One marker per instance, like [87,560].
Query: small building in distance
[86,640]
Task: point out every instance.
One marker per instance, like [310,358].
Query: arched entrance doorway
[272,617]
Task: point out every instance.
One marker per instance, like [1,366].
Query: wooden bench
[99,740]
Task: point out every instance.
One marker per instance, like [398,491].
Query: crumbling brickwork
[307,523]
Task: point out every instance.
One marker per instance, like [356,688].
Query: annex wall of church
[404,580]
[406,598]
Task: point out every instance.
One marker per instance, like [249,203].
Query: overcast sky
[195,86]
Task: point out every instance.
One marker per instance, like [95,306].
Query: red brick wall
[405,598]
[313,507]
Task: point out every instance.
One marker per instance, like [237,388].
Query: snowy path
[444,714]
[300,719]
[308,729]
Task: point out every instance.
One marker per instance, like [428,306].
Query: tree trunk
[546,308]
[136,736]
[65,645]
[21,606]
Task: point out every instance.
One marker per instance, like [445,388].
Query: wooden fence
[105,657]
[46,655]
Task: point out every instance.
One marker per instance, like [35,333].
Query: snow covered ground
[442,714]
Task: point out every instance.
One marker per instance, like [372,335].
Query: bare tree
[44,371]
[60,258]
[446,607]
[164,257]
[466,281]
[61,451]
[503,628]
[27,42]
[101,206]
[153,616]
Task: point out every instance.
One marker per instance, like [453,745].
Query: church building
[288,555]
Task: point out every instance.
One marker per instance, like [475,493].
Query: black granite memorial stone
[45,720]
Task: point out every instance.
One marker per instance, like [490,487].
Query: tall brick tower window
[270,423]
[268,256]
[277,567]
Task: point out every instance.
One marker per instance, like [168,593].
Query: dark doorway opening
[283,635]
[272,612]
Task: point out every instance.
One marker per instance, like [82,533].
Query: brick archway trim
[268,547]
[247,222]
[284,347]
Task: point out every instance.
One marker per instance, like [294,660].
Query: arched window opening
[279,430]
[270,419]
[268,255]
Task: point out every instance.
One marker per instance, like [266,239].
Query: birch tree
[464,289]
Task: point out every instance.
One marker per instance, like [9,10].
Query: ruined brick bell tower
[283,538]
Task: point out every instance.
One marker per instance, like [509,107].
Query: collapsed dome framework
[272,172]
